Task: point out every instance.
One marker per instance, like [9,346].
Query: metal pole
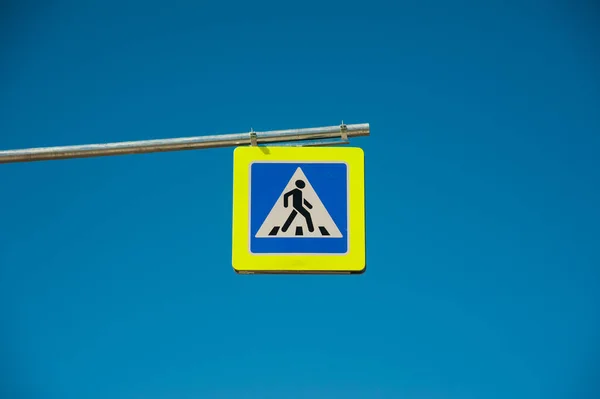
[187,143]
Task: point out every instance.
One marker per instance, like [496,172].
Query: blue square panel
[298,208]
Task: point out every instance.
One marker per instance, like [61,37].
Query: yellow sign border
[353,261]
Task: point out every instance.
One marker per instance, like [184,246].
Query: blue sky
[481,183]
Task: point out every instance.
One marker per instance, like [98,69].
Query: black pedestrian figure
[298,204]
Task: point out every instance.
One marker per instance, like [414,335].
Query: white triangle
[323,224]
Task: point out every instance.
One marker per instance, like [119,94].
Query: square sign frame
[325,234]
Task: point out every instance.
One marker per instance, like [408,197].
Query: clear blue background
[330,182]
[482,200]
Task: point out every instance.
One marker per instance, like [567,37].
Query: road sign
[298,210]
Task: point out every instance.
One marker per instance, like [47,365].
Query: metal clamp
[344,130]
[253,138]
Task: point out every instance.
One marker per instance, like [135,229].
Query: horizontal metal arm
[186,143]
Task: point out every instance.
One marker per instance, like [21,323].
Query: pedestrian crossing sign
[298,210]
